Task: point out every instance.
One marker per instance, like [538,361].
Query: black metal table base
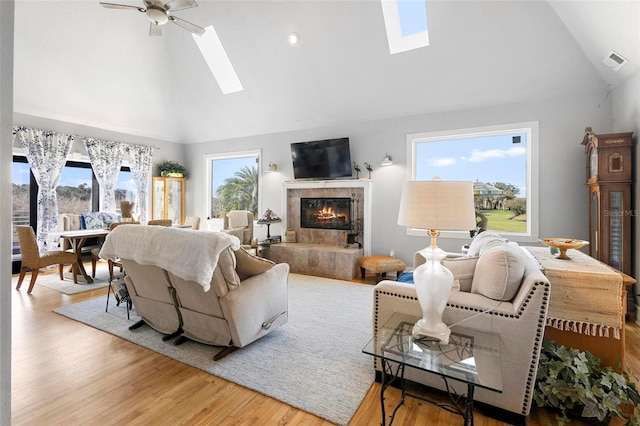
[460,404]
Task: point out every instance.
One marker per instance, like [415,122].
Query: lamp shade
[268,217]
[437,205]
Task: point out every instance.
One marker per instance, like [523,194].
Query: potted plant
[172,169]
[574,383]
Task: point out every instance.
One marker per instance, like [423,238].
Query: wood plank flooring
[66,373]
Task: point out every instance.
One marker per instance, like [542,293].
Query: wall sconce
[272,167]
[386,161]
[368,166]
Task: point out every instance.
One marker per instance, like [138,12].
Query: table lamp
[268,217]
[435,206]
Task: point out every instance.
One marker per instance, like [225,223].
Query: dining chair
[160,222]
[95,253]
[32,258]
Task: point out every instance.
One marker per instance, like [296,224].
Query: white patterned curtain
[140,163]
[47,155]
[106,160]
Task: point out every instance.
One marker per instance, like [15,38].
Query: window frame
[208,160]
[531,128]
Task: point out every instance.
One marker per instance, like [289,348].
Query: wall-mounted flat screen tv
[322,159]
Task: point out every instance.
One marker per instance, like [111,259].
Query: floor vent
[614,61]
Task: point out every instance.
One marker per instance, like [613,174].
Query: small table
[263,248]
[471,357]
[77,240]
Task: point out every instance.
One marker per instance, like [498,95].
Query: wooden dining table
[77,240]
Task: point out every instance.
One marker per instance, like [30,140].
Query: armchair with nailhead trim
[519,321]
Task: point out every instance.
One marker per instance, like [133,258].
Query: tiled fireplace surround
[322,251]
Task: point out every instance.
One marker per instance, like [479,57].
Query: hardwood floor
[66,373]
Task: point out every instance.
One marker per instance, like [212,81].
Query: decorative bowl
[564,244]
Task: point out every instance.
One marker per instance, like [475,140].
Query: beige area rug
[49,278]
[314,362]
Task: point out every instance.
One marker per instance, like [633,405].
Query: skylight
[406,24]
[216,57]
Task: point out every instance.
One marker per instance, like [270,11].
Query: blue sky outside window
[406,24]
[413,16]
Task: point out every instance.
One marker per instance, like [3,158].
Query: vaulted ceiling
[78,62]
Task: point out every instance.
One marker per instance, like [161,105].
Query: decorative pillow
[227,265]
[92,221]
[463,269]
[109,218]
[498,273]
[83,224]
[486,238]
[248,265]
[99,220]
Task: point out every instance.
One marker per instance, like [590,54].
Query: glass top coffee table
[471,357]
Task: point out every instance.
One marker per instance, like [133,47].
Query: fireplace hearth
[325,213]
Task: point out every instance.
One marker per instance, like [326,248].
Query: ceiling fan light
[157,16]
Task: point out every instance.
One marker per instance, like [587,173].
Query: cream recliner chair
[216,293]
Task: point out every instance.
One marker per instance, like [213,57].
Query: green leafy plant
[574,383]
[167,167]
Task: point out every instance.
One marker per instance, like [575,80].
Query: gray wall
[563,195]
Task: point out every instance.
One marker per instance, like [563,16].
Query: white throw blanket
[190,255]
[238,219]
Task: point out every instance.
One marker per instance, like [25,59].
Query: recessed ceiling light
[294,38]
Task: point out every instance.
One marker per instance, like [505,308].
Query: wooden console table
[587,305]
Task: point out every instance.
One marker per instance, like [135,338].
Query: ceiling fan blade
[122,6]
[187,25]
[155,30]
[173,5]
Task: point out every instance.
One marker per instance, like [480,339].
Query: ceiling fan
[159,13]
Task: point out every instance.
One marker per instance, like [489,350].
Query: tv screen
[322,159]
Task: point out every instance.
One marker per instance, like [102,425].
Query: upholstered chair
[193,221]
[31,257]
[240,224]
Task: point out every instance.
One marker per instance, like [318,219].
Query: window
[126,189]
[21,181]
[501,161]
[77,192]
[406,24]
[233,183]
[74,191]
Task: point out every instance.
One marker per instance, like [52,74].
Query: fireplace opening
[325,213]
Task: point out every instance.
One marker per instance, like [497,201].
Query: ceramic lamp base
[433,286]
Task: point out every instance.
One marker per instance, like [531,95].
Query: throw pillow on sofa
[499,273]
[99,220]
[484,241]
[463,269]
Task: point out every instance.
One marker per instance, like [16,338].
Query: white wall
[563,195]
[6,108]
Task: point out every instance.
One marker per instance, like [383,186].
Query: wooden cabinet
[609,160]
[167,199]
